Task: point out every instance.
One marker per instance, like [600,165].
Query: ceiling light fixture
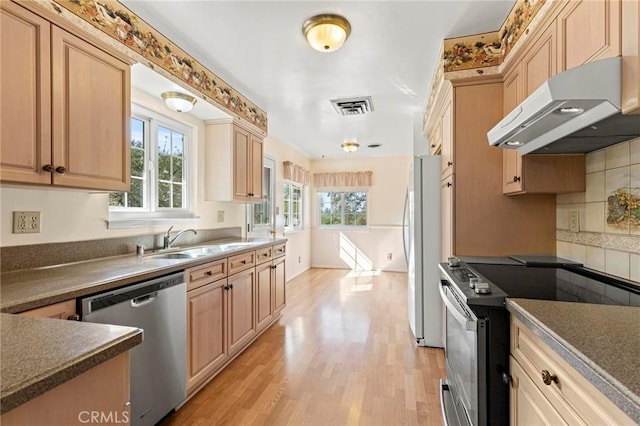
[350,146]
[326,33]
[179,101]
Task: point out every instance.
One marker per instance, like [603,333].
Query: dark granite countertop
[39,354]
[34,288]
[601,342]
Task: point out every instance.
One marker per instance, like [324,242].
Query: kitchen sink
[232,246]
[200,251]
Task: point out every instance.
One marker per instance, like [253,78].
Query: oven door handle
[469,323]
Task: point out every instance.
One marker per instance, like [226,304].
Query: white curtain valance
[327,180]
[293,172]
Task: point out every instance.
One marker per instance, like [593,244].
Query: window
[159,168]
[260,216]
[292,207]
[342,208]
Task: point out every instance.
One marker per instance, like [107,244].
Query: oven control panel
[475,288]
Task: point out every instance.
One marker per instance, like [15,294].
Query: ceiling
[258,48]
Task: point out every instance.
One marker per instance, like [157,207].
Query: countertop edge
[153,272]
[615,391]
[23,392]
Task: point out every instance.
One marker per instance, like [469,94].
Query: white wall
[606,242]
[74,215]
[299,242]
[331,248]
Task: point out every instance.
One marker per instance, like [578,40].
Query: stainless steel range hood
[575,111]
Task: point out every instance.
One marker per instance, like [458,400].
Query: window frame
[296,186]
[342,210]
[126,216]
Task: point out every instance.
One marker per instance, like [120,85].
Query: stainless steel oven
[465,353]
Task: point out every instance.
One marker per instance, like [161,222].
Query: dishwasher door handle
[144,300]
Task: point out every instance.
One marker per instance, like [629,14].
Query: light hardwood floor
[342,354]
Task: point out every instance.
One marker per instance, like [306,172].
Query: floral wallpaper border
[124,26]
[490,49]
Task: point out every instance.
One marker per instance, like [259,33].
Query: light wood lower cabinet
[545,389]
[101,391]
[241,317]
[206,331]
[225,315]
[63,310]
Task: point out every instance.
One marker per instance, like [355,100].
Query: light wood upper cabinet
[447,209]
[537,173]
[588,30]
[25,102]
[448,152]
[234,159]
[53,130]
[630,47]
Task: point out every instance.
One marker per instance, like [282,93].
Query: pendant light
[327,32]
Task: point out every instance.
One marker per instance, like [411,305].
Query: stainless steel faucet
[167,241]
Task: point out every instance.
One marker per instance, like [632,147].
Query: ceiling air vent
[353,106]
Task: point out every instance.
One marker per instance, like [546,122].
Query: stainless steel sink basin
[232,246]
[179,255]
[200,251]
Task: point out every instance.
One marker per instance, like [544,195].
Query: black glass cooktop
[551,283]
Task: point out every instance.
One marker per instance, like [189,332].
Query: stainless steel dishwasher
[158,364]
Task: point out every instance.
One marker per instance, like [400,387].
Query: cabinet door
[447,218]
[91,110]
[241,319]
[63,310]
[206,338]
[256,169]
[528,404]
[264,295]
[25,95]
[447,139]
[241,147]
[279,284]
[588,30]
[539,63]
[511,160]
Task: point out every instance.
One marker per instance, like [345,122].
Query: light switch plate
[26,222]
[220,216]
[574,221]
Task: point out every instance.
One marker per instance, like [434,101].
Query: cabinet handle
[449,163]
[244,262]
[274,267]
[47,168]
[547,377]
[61,169]
[516,178]
[265,254]
[74,317]
[250,194]
[226,287]
[433,145]
[209,273]
[230,286]
[448,184]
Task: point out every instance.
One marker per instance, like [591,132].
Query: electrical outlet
[220,216]
[26,222]
[574,221]
[299,259]
[389,256]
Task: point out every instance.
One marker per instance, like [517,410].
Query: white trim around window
[293,207]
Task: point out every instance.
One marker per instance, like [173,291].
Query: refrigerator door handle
[405,225]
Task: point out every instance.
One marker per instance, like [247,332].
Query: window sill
[147,222]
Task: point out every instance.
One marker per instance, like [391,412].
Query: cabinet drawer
[279,250]
[203,274]
[241,262]
[263,255]
[569,392]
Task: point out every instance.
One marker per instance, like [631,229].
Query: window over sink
[160,166]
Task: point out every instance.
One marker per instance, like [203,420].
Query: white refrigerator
[421,237]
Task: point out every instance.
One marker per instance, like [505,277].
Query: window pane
[164,194]
[136,196]
[355,202]
[177,140]
[116,199]
[164,140]
[177,169]
[137,133]
[137,162]
[164,167]
[177,196]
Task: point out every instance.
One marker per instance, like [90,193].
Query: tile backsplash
[608,238]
